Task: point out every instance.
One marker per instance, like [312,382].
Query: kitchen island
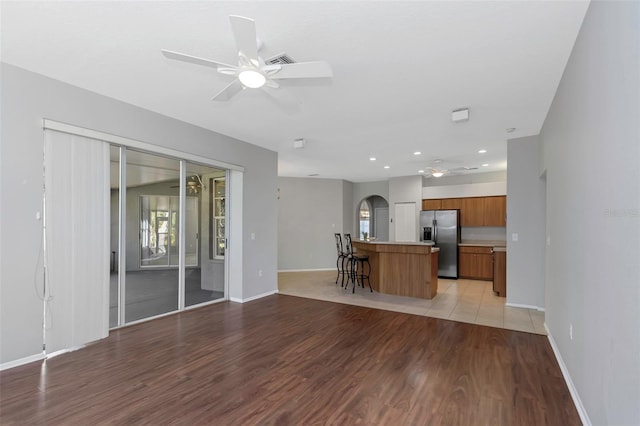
[401,268]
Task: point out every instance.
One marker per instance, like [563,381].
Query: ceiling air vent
[280,59]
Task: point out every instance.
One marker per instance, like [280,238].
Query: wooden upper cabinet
[432,204]
[451,203]
[495,211]
[472,211]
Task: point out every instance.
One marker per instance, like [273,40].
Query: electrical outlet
[259,272]
[253,235]
[570,331]
[514,237]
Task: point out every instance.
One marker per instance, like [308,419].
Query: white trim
[520,305]
[132,143]
[307,270]
[64,351]
[567,378]
[22,361]
[234,257]
[204,304]
[249,299]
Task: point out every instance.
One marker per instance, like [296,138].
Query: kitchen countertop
[483,243]
[503,249]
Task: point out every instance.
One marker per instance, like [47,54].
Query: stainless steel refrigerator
[443,228]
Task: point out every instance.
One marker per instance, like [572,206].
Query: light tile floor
[462,300]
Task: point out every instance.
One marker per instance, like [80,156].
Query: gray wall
[592,155]
[310,211]
[404,190]
[25,99]
[347,207]
[526,213]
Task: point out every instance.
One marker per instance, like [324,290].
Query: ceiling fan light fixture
[437,174]
[252,79]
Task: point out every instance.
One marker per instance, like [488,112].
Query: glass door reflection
[151,280]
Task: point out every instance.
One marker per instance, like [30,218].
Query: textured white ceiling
[400,68]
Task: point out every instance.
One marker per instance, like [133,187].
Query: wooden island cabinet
[404,269]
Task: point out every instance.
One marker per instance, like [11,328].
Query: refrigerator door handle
[435,231]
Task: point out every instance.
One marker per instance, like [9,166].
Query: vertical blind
[77,240]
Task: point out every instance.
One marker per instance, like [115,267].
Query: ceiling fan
[439,172]
[193,185]
[252,71]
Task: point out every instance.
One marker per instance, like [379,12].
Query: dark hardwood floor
[288,360]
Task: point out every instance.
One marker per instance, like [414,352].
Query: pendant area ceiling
[399,69]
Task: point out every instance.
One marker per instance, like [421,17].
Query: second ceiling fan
[252,71]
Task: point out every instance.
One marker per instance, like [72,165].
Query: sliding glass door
[174,235]
[205,281]
[152,250]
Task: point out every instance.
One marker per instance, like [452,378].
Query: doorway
[373,218]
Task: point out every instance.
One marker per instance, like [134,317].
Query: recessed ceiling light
[372,158]
[485,165]
[387,167]
[482,151]
[417,153]
[420,171]
[511,129]
[437,174]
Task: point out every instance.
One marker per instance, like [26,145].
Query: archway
[372,218]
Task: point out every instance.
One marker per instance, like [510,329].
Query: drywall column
[525,224]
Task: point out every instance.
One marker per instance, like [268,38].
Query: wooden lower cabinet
[500,273]
[475,263]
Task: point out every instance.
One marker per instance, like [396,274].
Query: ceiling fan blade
[228,92]
[194,59]
[244,31]
[316,69]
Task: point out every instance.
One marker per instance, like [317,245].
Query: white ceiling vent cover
[281,59]
[460,115]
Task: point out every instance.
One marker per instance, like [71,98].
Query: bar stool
[342,257]
[357,271]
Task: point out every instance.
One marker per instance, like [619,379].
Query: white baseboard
[249,299]
[520,305]
[307,270]
[21,361]
[567,378]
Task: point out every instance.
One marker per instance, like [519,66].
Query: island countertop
[401,243]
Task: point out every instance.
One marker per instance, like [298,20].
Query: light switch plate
[514,237]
